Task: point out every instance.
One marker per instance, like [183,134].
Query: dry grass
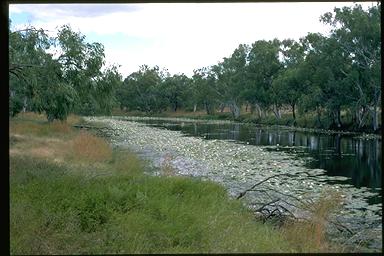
[37,124]
[31,135]
[40,128]
[182,113]
[31,116]
[47,148]
[73,119]
[90,148]
[60,127]
[310,234]
[17,127]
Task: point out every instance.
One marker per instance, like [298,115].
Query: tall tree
[357,33]
[175,90]
[143,90]
[291,79]
[204,84]
[36,82]
[231,78]
[81,65]
[263,67]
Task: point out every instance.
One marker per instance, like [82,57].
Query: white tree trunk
[234,109]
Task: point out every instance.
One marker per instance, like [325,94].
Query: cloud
[179,36]
[47,11]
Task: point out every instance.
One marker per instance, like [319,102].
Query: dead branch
[281,193]
[267,204]
[81,126]
[257,184]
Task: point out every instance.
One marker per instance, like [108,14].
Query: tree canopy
[323,74]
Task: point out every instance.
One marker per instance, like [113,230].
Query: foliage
[58,85]
[205,89]
[142,90]
[324,75]
[175,90]
[317,75]
[358,37]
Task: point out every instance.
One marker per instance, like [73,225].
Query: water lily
[239,166]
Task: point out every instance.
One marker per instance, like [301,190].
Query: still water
[340,155]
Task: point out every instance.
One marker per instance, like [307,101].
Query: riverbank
[305,123]
[72,193]
[239,166]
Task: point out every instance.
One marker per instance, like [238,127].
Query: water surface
[340,155]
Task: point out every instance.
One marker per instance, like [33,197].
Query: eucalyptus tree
[36,82]
[204,86]
[292,78]
[104,92]
[263,66]
[176,90]
[26,53]
[81,64]
[328,83]
[358,35]
[231,78]
[142,90]
[69,80]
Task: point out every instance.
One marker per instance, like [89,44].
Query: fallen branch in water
[81,126]
[270,208]
[261,182]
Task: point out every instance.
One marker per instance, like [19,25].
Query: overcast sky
[178,36]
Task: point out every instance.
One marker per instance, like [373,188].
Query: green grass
[61,204]
[55,211]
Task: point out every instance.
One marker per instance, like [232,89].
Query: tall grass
[34,124]
[310,234]
[53,212]
[90,148]
[57,208]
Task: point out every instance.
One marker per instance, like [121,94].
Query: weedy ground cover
[70,193]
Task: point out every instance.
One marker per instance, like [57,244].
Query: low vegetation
[71,193]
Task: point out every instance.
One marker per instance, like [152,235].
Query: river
[357,159]
[240,155]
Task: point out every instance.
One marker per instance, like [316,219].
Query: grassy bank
[71,193]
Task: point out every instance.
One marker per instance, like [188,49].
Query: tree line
[322,74]
[59,75]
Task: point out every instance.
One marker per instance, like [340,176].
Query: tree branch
[257,184]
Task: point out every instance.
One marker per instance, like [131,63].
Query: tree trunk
[259,110]
[360,116]
[24,104]
[234,109]
[222,106]
[208,108]
[252,108]
[194,107]
[338,114]
[375,118]
[246,107]
[293,112]
[276,111]
[318,111]
[336,117]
